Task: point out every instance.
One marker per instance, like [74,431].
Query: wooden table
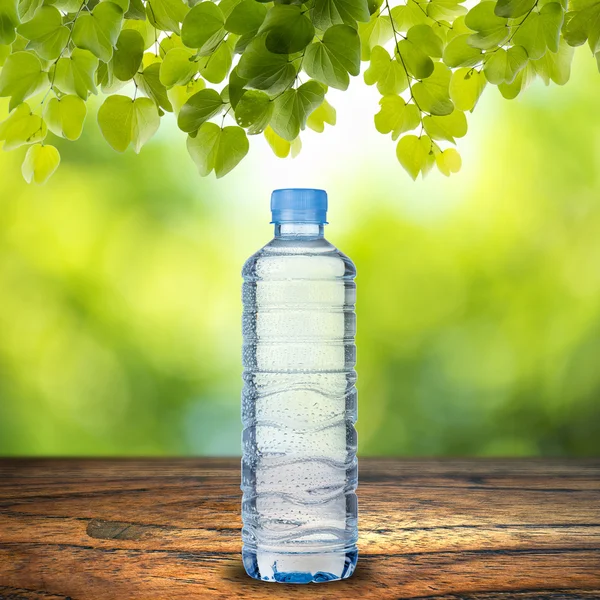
[163,529]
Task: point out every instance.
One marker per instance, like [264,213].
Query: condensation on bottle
[299,467]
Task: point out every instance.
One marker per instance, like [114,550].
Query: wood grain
[155,529]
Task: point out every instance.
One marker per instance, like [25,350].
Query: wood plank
[169,528]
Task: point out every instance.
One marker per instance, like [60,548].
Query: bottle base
[299,567]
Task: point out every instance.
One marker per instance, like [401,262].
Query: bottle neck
[299,230]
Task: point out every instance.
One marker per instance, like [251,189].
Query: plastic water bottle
[299,467]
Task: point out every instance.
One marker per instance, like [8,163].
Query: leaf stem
[226,113]
[434,20]
[62,51]
[512,35]
[397,51]
[295,78]
[214,51]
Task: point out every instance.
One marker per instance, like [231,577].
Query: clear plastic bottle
[299,467]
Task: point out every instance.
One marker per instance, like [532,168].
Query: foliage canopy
[267,68]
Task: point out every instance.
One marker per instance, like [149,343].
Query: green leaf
[264,70]
[281,148]
[168,43]
[202,148]
[122,4]
[218,149]
[124,121]
[458,28]
[425,38]
[166,15]
[466,86]
[21,127]
[46,20]
[375,33]
[202,106]
[127,57]
[98,31]
[178,67]
[48,36]
[580,25]
[541,30]
[296,147]
[9,19]
[65,116]
[136,11]
[26,10]
[387,73]
[531,36]
[448,161]
[326,13]
[149,82]
[68,6]
[75,75]
[287,29]
[51,46]
[374,6]
[432,94]
[106,80]
[144,28]
[410,14]
[419,65]
[243,41]
[446,128]
[482,17]
[233,146]
[115,118]
[396,116]
[226,6]
[331,60]
[254,111]
[555,67]
[324,113]
[492,31]
[203,27]
[578,5]
[413,154]
[522,80]
[551,21]
[145,123]
[459,53]
[575,27]
[235,87]
[445,10]
[21,77]
[150,58]
[4,54]
[215,67]
[40,163]
[511,9]
[292,108]
[503,66]
[19,45]
[180,94]
[246,17]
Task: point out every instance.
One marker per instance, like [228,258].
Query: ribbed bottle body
[299,469]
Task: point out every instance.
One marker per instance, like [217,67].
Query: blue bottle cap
[299,205]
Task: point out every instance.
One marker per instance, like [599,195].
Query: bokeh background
[478,295]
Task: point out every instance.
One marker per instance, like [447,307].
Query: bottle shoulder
[302,258]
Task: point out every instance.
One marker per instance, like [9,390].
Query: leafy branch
[242,61]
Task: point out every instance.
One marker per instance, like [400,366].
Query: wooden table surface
[156,529]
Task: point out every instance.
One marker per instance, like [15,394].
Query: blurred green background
[478,296]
